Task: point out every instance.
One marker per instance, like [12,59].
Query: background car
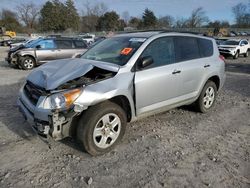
[235,47]
[42,50]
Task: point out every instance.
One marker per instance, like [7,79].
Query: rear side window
[80,44]
[64,44]
[186,48]
[206,47]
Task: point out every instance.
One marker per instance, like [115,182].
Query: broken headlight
[64,99]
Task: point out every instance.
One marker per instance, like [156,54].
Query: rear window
[80,44]
[206,47]
[186,48]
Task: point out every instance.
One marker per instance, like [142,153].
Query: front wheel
[101,127]
[27,63]
[207,97]
[236,55]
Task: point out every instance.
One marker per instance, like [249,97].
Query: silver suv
[119,80]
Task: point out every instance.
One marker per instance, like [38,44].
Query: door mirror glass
[145,62]
[242,44]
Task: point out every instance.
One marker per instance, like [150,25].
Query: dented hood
[52,74]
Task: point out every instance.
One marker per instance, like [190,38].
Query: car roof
[140,34]
[148,34]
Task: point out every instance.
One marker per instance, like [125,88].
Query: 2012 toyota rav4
[120,80]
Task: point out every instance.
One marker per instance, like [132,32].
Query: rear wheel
[207,97]
[27,63]
[101,127]
[246,54]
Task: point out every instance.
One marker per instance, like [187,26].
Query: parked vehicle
[89,38]
[235,48]
[220,41]
[119,80]
[43,50]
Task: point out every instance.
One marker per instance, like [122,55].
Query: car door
[65,48]
[158,84]
[191,64]
[244,46]
[45,50]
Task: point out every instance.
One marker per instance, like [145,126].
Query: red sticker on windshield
[126,51]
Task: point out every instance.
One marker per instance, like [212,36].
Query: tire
[236,55]
[246,54]
[207,97]
[95,131]
[27,63]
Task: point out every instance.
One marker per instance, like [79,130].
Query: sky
[215,9]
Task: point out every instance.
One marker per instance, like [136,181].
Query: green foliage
[108,22]
[56,16]
[149,20]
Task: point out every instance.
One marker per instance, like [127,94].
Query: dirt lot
[178,148]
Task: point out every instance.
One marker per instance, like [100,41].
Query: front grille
[223,50]
[33,92]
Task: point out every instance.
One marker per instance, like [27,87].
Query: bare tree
[242,14]
[28,14]
[197,18]
[126,16]
[91,14]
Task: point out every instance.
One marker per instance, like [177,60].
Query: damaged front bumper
[45,122]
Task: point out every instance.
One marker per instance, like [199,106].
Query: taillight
[222,58]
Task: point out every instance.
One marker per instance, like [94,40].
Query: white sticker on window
[137,40]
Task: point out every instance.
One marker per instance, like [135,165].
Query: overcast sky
[215,9]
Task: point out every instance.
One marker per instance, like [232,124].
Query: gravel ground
[178,148]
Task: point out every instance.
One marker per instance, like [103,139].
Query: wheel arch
[216,80]
[123,102]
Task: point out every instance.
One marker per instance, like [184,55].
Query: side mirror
[77,56]
[38,46]
[145,62]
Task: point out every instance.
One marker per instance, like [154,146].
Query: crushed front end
[33,104]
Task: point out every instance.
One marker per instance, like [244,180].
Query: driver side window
[46,44]
[161,51]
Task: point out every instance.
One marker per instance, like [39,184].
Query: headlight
[64,99]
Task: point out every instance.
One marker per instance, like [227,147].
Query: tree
[197,18]
[149,20]
[135,22]
[56,16]
[242,15]
[91,15]
[28,14]
[166,21]
[108,22]
[181,23]
[9,20]
[72,18]
[126,16]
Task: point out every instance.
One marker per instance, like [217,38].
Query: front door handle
[176,72]
[205,66]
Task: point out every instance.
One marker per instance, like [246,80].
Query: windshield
[117,50]
[31,44]
[230,42]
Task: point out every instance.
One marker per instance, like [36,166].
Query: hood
[227,46]
[55,73]
[17,47]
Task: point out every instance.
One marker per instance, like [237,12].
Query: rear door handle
[176,72]
[205,66]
